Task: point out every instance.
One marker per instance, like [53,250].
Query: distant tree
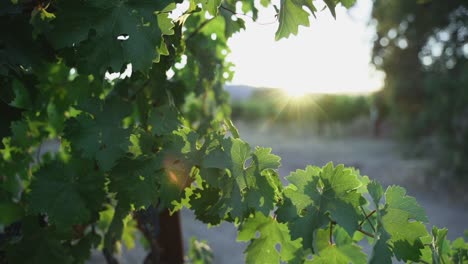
[422,48]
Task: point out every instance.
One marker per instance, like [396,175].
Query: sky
[330,56]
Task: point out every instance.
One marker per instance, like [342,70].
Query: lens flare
[176,172]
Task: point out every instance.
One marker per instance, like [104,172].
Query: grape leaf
[274,244]
[163,120]
[17,47]
[331,4]
[135,181]
[208,205]
[199,252]
[315,195]
[382,251]
[334,254]
[291,16]
[342,249]
[96,37]
[81,251]
[116,226]
[100,136]
[440,246]
[11,212]
[68,193]
[376,192]
[22,98]
[211,6]
[37,245]
[402,218]
[347,3]
[231,26]
[246,187]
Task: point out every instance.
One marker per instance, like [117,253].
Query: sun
[296,93]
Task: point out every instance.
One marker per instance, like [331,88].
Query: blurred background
[383,88]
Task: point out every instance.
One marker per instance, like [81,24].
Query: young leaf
[291,16]
[274,244]
[402,218]
[247,187]
[316,195]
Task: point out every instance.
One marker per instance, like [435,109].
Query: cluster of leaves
[124,140]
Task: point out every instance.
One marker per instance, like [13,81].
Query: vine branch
[366,233]
[367,218]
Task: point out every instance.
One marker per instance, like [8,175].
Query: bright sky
[330,56]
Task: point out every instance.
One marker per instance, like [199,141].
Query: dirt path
[379,159]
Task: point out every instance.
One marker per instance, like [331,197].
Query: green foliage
[273,244]
[145,139]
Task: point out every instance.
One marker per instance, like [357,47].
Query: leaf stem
[367,218]
[366,233]
[331,233]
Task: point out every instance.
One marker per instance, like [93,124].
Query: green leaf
[163,120]
[331,6]
[100,135]
[401,219]
[247,186]
[208,205]
[11,212]
[81,251]
[318,195]
[343,250]
[136,181]
[381,250]
[274,244]
[232,128]
[95,38]
[69,193]
[440,246]
[376,192]
[116,227]
[291,16]
[40,20]
[211,6]
[334,254]
[200,252]
[399,203]
[231,26]
[37,245]
[22,98]
[347,3]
